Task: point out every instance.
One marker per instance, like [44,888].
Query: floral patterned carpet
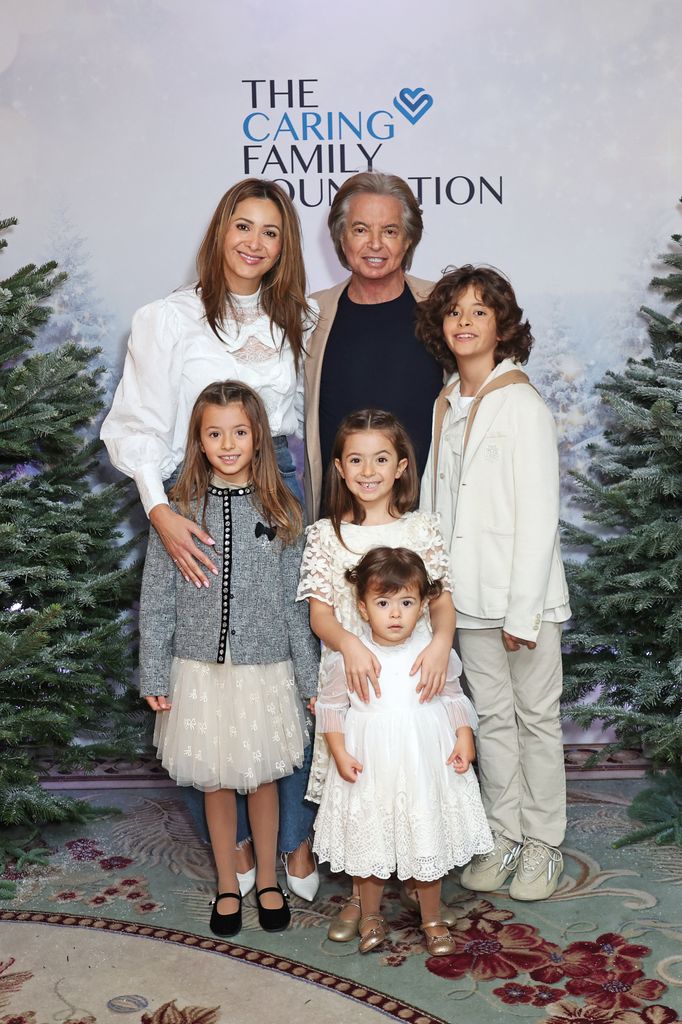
[115,927]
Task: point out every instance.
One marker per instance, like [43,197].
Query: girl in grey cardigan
[224,666]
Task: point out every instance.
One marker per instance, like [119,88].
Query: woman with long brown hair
[246,318]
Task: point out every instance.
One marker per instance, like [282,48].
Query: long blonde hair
[277,502]
[283,286]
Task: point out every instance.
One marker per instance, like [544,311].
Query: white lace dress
[408,811]
[324,563]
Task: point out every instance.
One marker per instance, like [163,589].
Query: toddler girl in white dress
[401,794]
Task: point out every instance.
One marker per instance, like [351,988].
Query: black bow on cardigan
[269,531]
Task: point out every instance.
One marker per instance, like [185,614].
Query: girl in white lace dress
[400,794]
[372,489]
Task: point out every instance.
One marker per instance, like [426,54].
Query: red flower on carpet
[136,894]
[571,962]
[649,1015]
[147,908]
[620,954]
[83,849]
[543,995]
[513,993]
[99,900]
[19,1018]
[129,883]
[624,991]
[480,914]
[111,863]
[485,955]
[540,995]
[66,896]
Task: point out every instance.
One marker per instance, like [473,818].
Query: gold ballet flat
[448,915]
[343,931]
[374,935]
[438,945]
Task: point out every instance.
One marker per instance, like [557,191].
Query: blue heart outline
[405,103]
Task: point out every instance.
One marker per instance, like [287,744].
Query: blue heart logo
[413,103]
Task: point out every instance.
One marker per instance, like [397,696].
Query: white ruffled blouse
[173,355]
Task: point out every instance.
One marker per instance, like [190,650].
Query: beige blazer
[328,301]
[502,525]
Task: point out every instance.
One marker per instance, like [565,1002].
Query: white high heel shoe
[246,881]
[306,887]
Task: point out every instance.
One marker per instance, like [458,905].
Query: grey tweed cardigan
[248,615]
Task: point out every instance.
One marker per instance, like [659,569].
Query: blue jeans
[296,815]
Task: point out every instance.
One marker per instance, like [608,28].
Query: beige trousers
[519,742]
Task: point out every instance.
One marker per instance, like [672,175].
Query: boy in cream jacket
[493,476]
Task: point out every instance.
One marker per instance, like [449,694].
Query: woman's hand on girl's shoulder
[159,703]
[361,668]
[177,536]
[433,663]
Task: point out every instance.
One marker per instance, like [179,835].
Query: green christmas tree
[626,640]
[66,585]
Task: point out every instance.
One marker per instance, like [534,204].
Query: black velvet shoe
[226,924]
[273,920]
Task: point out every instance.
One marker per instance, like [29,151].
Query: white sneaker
[538,873]
[487,872]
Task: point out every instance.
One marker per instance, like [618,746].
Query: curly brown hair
[387,570]
[495,291]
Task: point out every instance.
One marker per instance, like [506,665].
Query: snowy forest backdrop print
[551,148]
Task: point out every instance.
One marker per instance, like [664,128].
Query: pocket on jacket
[497,552]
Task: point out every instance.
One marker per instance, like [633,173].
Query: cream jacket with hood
[499,509]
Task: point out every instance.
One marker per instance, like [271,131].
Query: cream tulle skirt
[231,726]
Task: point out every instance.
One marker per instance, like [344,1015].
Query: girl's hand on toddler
[177,536]
[433,662]
[347,766]
[464,751]
[159,703]
[360,665]
[311,705]
[514,643]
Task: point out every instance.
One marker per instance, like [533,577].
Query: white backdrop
[543,137]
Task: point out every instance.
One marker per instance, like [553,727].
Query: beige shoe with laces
[487,872]
[538,872]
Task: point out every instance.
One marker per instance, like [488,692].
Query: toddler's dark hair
[387,570]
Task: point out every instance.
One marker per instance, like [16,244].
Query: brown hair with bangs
[341,505]
[387,570]
[282,288]
[190,491]
[493,290]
